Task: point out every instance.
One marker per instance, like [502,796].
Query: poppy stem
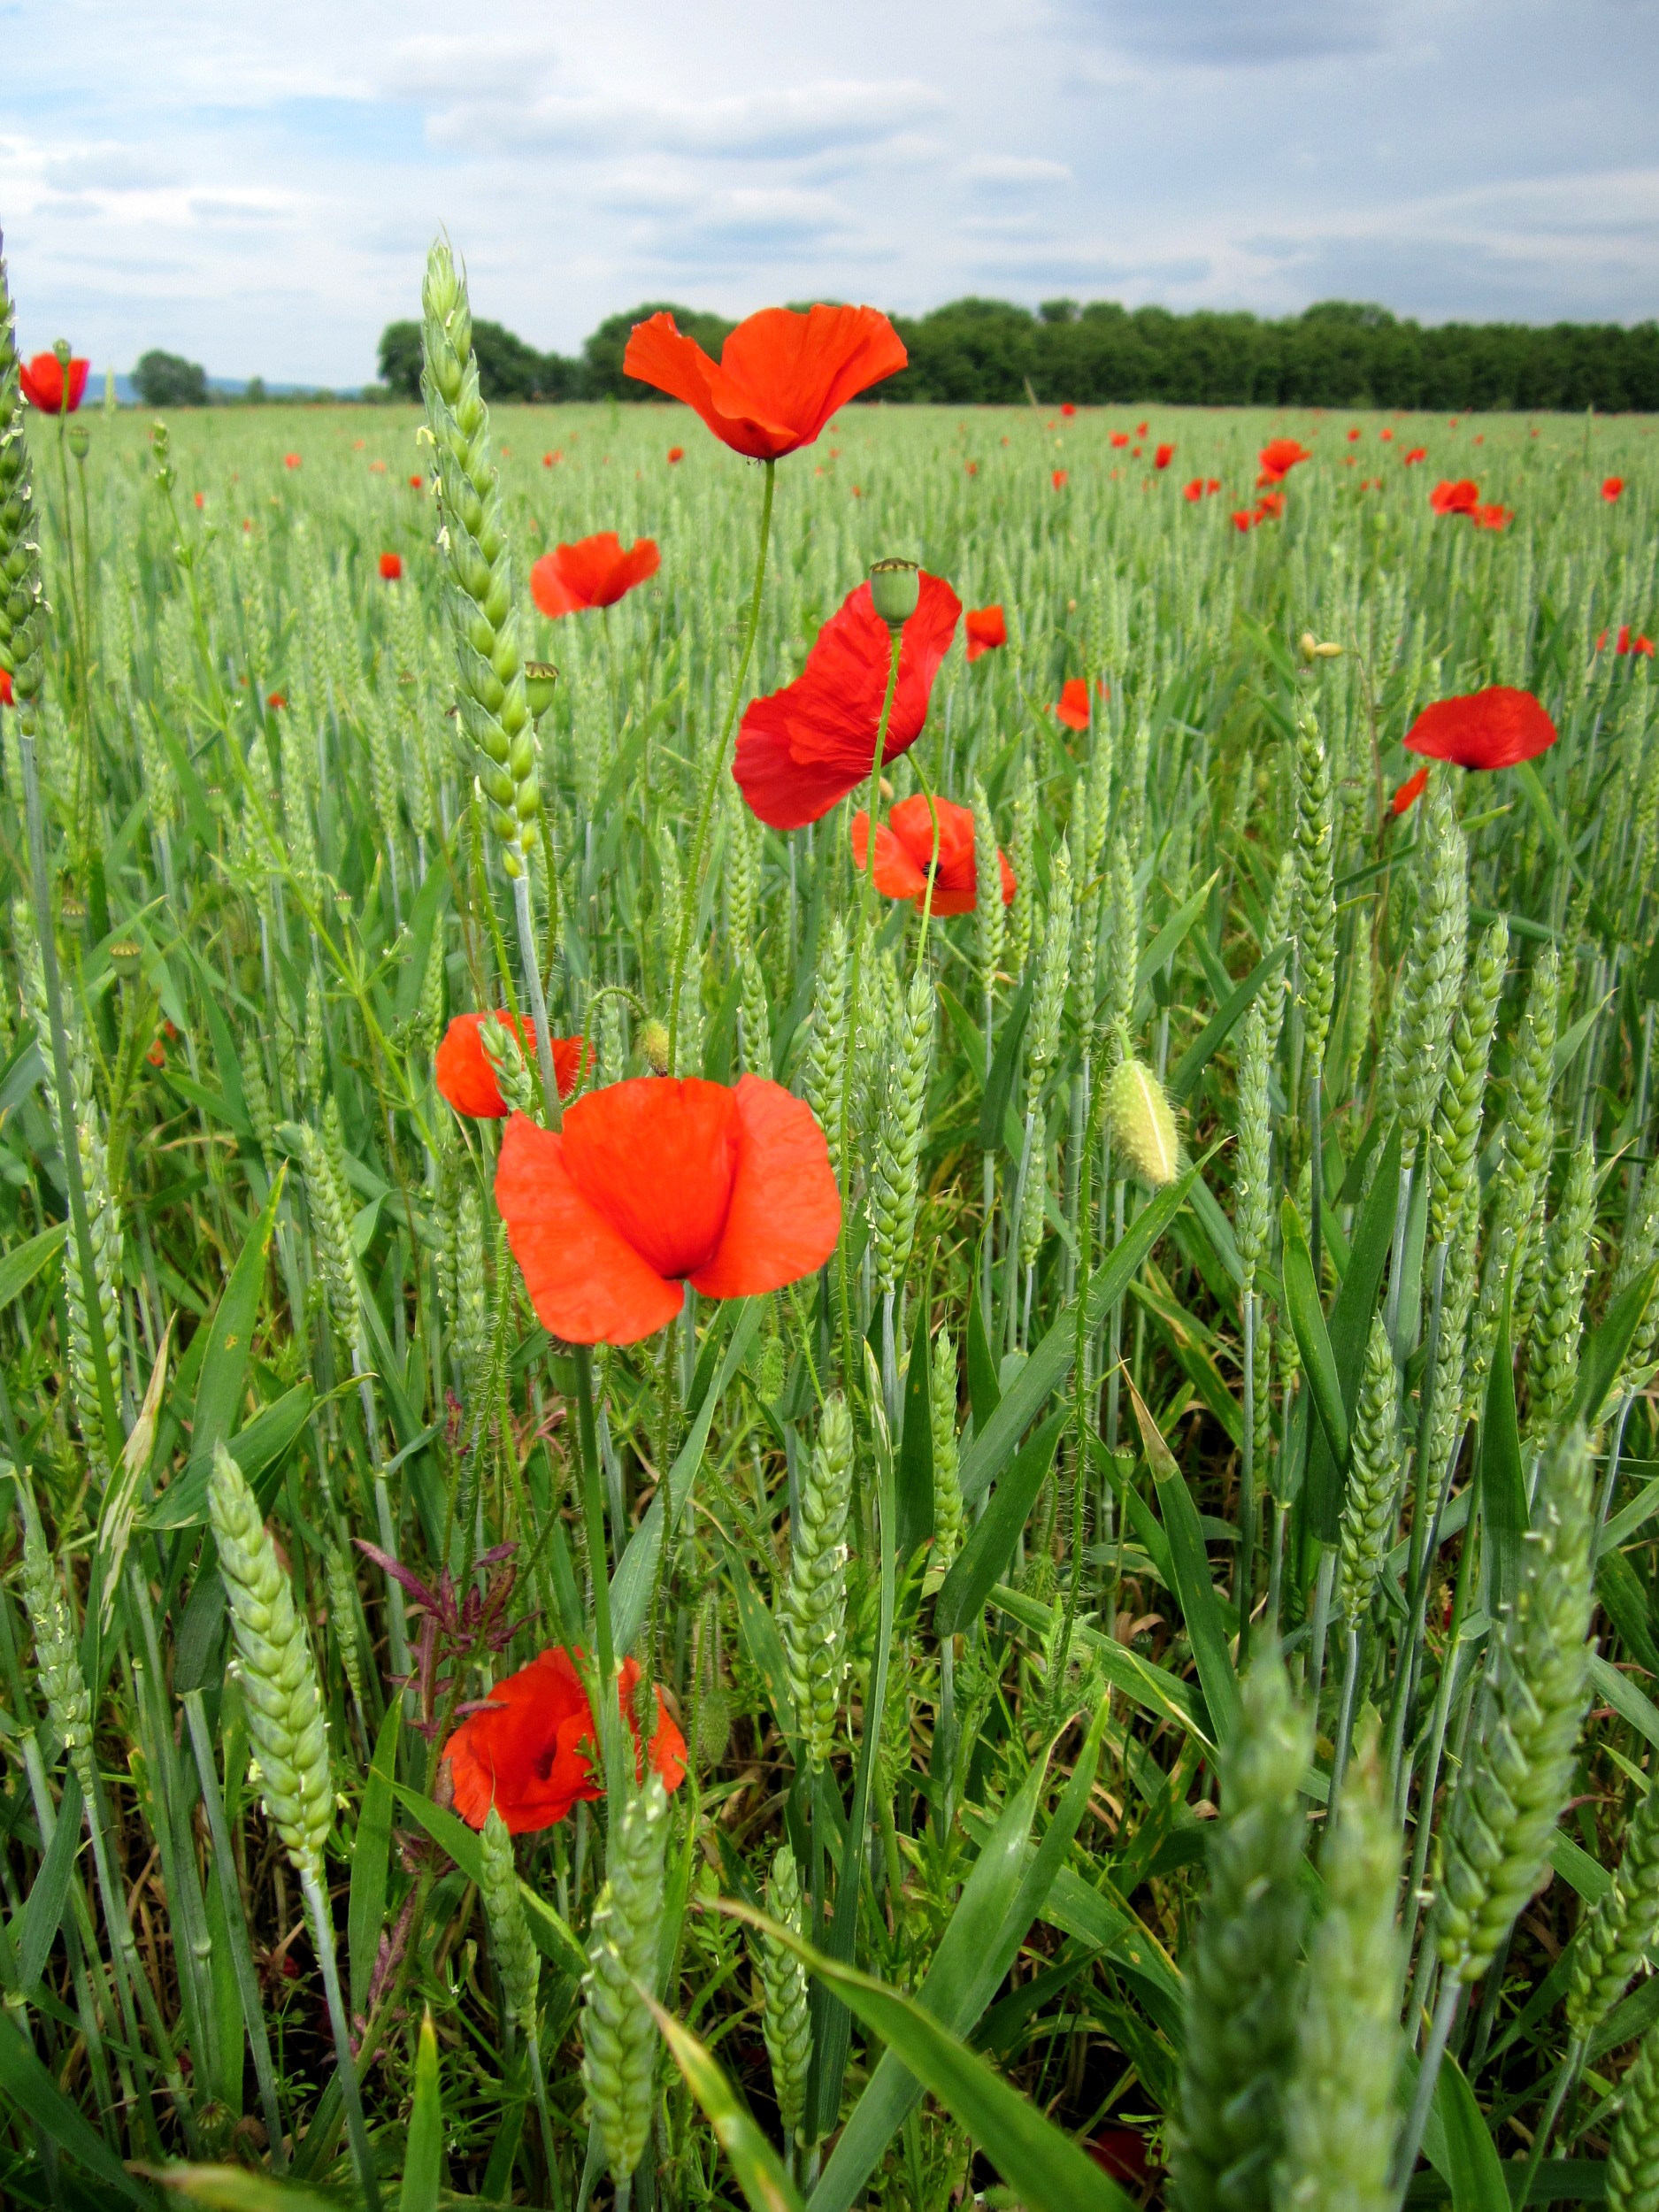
[538,997]
[691,896]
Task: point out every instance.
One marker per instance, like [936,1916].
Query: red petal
[586,1281]
[657,1157]
[897,874]
[1494,728]
[786,1212]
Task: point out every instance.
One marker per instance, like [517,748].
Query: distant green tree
[508,367]
[400,359]
[167,379]
[602,355]
[255,394]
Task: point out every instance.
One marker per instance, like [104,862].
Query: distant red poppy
[1494,728]
[593,572]
[1165,454]
[417,483]
[199,498]
[157,1055]
[527,1750]
[985,629]
[1278,457]
[1244,517]
[1387,436]
[1353,437]
[676,453]
[464,1077]
[1066,407]
[1481,440]
[547,459]
[655,1180]
[377,468]
[1492,517]
[1626,643]
[1119,438]
[276,699]
[1201,487]
[802,749]
[904,848]
[1417,453]
[391,567]
[1461,497]
[780,377]
[1134,454]
[291,461]
[1611,487]
[1060,480]
[42,383]
[1409,791]
[1269,506]
[7,697]
[1073,707]
[973,467]
[1140,430]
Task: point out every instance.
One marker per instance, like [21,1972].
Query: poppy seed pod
[896,590]
[541,678]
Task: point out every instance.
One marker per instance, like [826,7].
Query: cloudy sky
[256,186]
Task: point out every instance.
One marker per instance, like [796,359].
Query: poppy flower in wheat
[42,383]
[466,1077]
[391,567]
[7,697]
[528,1749]
[985,629]
[1461,497]
[1060,480]
[1067,407]
[1165,454]
[291,461]
[657,1182]
[1494,728]
[1494,518]
[780,375]
[1611,487]
[1244,519]
[802,749]
[593,572]
[904,853]
[1073,707]
[1278,457]
[1269,506]
[1628,643]
[1119,438]
[1416,453]
[676,453]
[1410,792]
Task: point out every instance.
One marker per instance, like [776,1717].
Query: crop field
[697,1508]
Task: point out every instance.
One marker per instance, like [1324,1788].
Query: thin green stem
[323,1938]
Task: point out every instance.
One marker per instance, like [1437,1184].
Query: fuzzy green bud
[1142,1123]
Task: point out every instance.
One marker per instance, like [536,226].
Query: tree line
[975,352]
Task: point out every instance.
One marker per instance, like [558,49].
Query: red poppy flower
[391,567]
[199,499]
[277,699]
[1459,498]
[780,377]
[1140,430]
[1409,791]
[1387,436]
[1060,480]
[1493,728]
[1278,457]
[593,572]
[1134,454]
[1212,484]
[526,1752]
[802,749]
[985,629]
[1481,440]
[1271,505]
[1244,517]
[676,453]
[1165,454]
[290,460]
[659,1180]
[1492,517]
[42,382]
[1121,2153]
[972,468]
[417,483]
[1073,707]
[1611,487]
[1119,438]
[1417,453]
[7,697]
[157,1055]
[1626,643]
[466,1077]
[1066,407]
[904,850]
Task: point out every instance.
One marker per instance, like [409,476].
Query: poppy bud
[896,590]
[79,441]
[539,680]
[1143,1122]
[653,1045]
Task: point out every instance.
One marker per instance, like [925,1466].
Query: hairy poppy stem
[693,891]
[538,997]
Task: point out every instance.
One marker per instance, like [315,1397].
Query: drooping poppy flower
[1066,408]
[391,567]
[1073,707]
[1269,506]
[593,572]
[802,749]
[1461,497]
[1060,480]
[1278,457]
[1410,792]
[1417,453]
[676,453]
[1244,517]
[1494,518]
[1165,454]
[904,851]
[1494,728]
[528,1750]
[985,629]
[291,460]
[42,383]
[1119,438]
[660,1180]
[780,377]
[466,1077]
[7,697]
[1611,487]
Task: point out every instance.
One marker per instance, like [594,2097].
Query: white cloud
[1015,169]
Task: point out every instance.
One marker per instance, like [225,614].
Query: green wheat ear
[618,2035]
[785,2017]
[279,1674]
[1632,2158]
[812,1616]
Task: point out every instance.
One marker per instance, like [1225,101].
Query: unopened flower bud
[653,1045]
[896,590]
[1143,1122]
[79,441]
